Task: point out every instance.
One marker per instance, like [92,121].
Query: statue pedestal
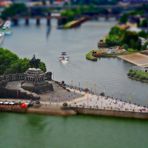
[35,81]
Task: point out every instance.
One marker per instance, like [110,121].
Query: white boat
[6,28]
[64,58]
[7,25]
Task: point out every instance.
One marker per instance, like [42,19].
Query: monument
[35,81]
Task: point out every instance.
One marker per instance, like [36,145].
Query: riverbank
[70,111]
[110,52]
[87,104]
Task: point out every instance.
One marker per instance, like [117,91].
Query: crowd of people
[90,100]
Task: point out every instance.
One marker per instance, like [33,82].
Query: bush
[145,46]
[89,56]
[125,46]
[143,34]
[124,18]
[138,74]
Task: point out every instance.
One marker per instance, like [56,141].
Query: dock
[137,59]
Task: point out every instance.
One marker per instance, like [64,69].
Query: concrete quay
[86,104]
[106,106]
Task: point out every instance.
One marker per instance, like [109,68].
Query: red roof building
[5,3]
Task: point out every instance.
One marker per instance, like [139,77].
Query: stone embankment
[110,113]
[91,104]
[51,111]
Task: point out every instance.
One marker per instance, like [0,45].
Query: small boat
[7,25]
[64,58]
[6,28]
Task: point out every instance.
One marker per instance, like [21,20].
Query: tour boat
[63,58]
[7,25]
[6,28]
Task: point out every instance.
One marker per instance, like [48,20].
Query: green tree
[11,63]
[144,23]
[13,10]
[143,34]
[124,18]
[132,40]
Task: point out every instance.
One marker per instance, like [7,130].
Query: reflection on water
[48,31]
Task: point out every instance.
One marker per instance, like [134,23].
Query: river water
[107,75]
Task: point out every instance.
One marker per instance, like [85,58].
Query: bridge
[60,20]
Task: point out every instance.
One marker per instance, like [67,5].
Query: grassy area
[101,53]
[89,56]
[138,75]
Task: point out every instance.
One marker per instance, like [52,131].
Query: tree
[123,18]
[13,10]
[11,63]
[143,34]
[132,40]
[144,23]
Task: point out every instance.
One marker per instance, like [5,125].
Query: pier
[137,59]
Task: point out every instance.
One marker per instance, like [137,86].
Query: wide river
[108,75]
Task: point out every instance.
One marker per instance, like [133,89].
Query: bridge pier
[26,21]
[15,21]
[48,21]
[106,17]
[95,17]
[38,21]
[116,18]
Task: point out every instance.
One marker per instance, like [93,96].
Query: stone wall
[21,76]
[6,93]
[111,113]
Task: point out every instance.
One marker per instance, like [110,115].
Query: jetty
[137,59]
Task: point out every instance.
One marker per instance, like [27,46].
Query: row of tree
[11,63]
[13,10]
[139,16]
[91,10]
[125,38]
